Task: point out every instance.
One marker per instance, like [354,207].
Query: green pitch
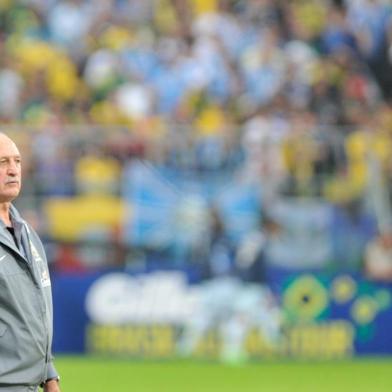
[87,374]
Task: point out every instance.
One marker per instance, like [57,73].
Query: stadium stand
[155,113]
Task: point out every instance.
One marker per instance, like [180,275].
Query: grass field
[85,374]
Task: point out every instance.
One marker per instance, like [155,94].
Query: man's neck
[5,213]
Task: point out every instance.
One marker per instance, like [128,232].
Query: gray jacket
[25,307]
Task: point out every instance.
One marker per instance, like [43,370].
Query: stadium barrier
[163,314]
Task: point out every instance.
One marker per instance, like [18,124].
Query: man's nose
[13,169]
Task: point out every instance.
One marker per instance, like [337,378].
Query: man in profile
[26,315]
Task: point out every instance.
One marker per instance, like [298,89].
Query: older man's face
[10,170]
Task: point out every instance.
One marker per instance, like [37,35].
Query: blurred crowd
[294,97]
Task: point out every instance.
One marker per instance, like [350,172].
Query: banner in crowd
[162,315]
[171,208]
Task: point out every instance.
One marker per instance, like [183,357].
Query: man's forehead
[5,155]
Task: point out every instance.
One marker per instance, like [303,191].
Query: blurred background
[211,178]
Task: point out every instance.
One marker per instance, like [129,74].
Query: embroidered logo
[45,279]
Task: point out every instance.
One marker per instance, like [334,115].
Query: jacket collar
[18,223]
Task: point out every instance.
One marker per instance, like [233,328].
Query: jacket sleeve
[52,372]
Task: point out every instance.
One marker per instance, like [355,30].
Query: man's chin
[9,196]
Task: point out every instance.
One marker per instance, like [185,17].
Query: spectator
[220,249]
[378,258]
[251,256]
[351,230]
